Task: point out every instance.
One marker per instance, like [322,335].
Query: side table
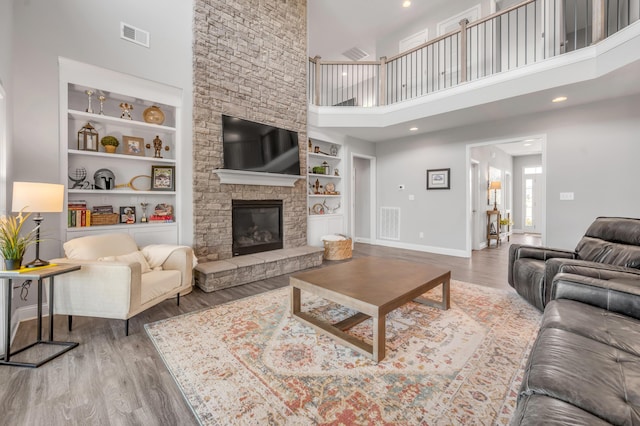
[38,274]
[493,234]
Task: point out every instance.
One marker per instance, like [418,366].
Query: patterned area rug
[249,362]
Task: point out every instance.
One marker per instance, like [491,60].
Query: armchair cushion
[94,247]
[136,256]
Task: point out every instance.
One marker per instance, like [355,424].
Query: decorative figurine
[102,98]
[334,150]
[79,177]
[157,147]
[143,219]
[89,107]
[336,172]
[126,110]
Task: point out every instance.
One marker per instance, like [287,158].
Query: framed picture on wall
[438,179]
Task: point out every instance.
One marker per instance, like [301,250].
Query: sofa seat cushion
[157,284]
[543,410]
[613,329]
[591,375]
[528,280]
[93,247]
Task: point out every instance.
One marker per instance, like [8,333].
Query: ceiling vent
[134,35]
[355,54]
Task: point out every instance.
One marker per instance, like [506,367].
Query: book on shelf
[78,217]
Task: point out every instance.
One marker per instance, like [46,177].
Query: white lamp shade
[37,197]
[496,184]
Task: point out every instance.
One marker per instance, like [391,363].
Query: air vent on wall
[390,223]
[355,54]
[134,35]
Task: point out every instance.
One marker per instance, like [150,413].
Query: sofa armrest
[518,251]
[181,259]
[620,294]
[104,289]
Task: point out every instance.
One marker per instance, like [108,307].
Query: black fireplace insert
[256,226]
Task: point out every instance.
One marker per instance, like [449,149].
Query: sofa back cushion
[94,247]
[612,240]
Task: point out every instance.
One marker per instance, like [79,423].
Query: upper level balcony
[509,63]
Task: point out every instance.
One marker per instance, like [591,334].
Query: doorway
[505,161]
[363,200]
[531,209]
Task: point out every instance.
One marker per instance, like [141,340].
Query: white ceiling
[335,26]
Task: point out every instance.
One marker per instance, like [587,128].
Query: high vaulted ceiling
[338,25]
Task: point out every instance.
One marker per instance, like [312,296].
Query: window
[533,170]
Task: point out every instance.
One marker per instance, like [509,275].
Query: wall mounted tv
[259,147]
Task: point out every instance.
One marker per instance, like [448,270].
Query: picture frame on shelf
[163,178]
[133,145]
[128,215]
[438,179]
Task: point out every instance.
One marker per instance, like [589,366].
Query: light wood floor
[111,379]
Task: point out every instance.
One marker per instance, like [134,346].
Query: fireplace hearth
[256,226]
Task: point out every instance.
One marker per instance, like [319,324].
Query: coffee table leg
[295,300]
[379,332]
[446,303]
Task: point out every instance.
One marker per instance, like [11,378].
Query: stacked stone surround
[250,62]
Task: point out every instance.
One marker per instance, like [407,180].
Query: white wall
[88,31]
[592,150]
[439,214]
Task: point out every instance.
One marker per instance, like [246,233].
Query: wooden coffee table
[372,286]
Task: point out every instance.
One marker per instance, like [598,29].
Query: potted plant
[12,244]
[110,144]
[504,223]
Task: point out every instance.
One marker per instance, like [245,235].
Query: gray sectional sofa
[584,368]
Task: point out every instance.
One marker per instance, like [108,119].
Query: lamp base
[36,263]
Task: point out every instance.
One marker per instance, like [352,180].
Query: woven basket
[337,250]
[104,219]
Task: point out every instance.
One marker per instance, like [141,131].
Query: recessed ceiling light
[413,129]
[529,140]
[527,144]
[559,99]
[406,3]
[344,73]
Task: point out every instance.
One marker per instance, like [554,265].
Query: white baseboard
[426,249]
[26,313]
[363,240]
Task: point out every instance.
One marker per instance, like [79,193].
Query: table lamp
[35,197]
[495,185]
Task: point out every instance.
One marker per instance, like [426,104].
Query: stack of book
[162,213]
[78,214]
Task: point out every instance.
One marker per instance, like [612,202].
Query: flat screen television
[259,147]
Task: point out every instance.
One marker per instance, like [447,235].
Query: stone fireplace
[265,83]
[256,226]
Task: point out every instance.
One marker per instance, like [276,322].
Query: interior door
[532,210]
[361,207]
[476,226]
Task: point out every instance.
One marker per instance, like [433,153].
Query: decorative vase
[153,115]
[110,149]
[12,264]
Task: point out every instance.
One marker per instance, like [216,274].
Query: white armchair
[117,280]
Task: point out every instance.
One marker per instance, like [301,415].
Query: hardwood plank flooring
[112,379]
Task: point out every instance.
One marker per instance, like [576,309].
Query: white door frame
[352,211]
[543,207]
